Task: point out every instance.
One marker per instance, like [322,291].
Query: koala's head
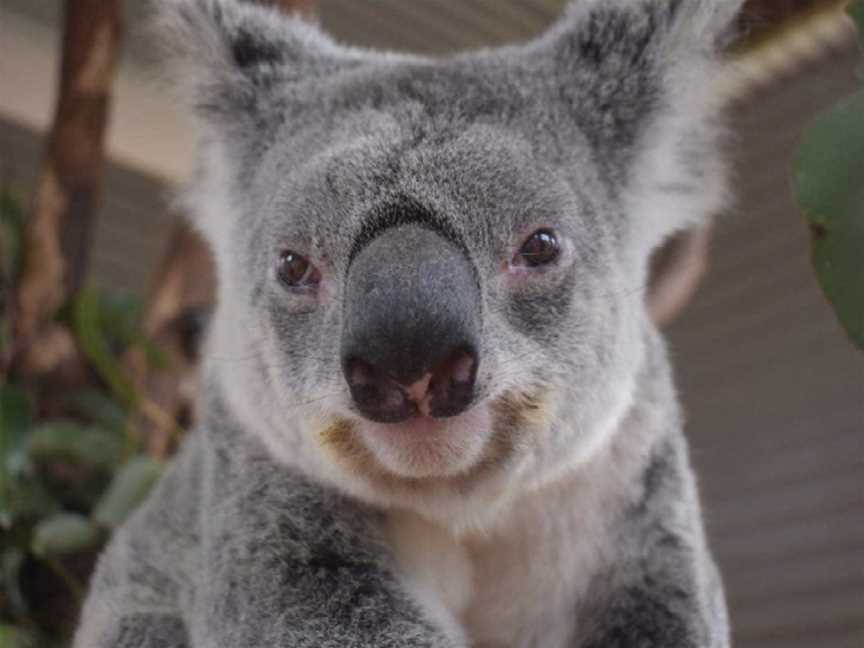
[432,272]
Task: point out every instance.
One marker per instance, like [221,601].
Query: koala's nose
[412,323]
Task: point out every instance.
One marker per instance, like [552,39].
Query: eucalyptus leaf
[127,490]
[25,498]
[156,356]
[11,563]
[15,417]
[85,445]
[65,533]
[11,235]
[12,637]
[856,11]
[93,338]
[830,186]
[121,316]
[99,408]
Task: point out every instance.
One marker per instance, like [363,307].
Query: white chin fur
[424,448]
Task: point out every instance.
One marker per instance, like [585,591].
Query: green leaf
[856,11]
[15,417]
[12,637]
[93,338]
[121,315]
[16,413]
[82,444]
[11,562]
[128,489]
[22,494]
[11,235]
[156,356]
[65,533]
[830,187]
[99,408]
[11,253]
[27,498]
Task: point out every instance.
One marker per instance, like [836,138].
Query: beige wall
[775,395]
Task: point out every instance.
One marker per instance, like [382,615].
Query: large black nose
[412,323]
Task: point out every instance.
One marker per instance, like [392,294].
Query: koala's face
[432,272]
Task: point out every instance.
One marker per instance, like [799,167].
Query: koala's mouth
[422,450]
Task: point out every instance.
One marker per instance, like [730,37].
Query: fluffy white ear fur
[223,53]
[680,178]
[228,61]
[708,24]
[676,178]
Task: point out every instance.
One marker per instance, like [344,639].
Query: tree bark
[58,232]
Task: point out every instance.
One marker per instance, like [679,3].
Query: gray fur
[279,523]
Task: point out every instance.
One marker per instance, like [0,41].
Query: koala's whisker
[313,401]
[520,357]
[255,355]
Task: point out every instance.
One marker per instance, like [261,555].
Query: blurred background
[772,387]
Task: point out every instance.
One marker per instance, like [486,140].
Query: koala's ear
[619,61]
[227,56]
[637,79]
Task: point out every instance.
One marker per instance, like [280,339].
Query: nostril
[458,367]
[376,395]
[463,367]
[360,373]
[452,384]
[447,390]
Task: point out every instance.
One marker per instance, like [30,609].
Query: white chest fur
[513,587]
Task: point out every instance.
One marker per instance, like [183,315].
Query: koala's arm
[144,575]
[232,550]
[660,587]
[289,563]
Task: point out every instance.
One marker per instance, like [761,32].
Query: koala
[434,409]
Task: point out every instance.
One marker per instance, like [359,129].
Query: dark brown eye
[295,270]
[540,249]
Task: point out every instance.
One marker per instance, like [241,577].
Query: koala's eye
[539,249]
[296,271]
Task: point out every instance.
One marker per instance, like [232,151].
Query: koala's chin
[428,448]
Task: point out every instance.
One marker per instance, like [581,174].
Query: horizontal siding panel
[841,531]
[840,637]
[727,473]
[790,616]
[840,570]
[784,502]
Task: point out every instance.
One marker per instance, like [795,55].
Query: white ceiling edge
[145,131]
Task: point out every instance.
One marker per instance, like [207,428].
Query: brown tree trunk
[184,284]
[57,236]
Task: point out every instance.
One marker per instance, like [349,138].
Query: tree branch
[58,232]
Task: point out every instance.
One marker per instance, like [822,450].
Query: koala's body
[434,409]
